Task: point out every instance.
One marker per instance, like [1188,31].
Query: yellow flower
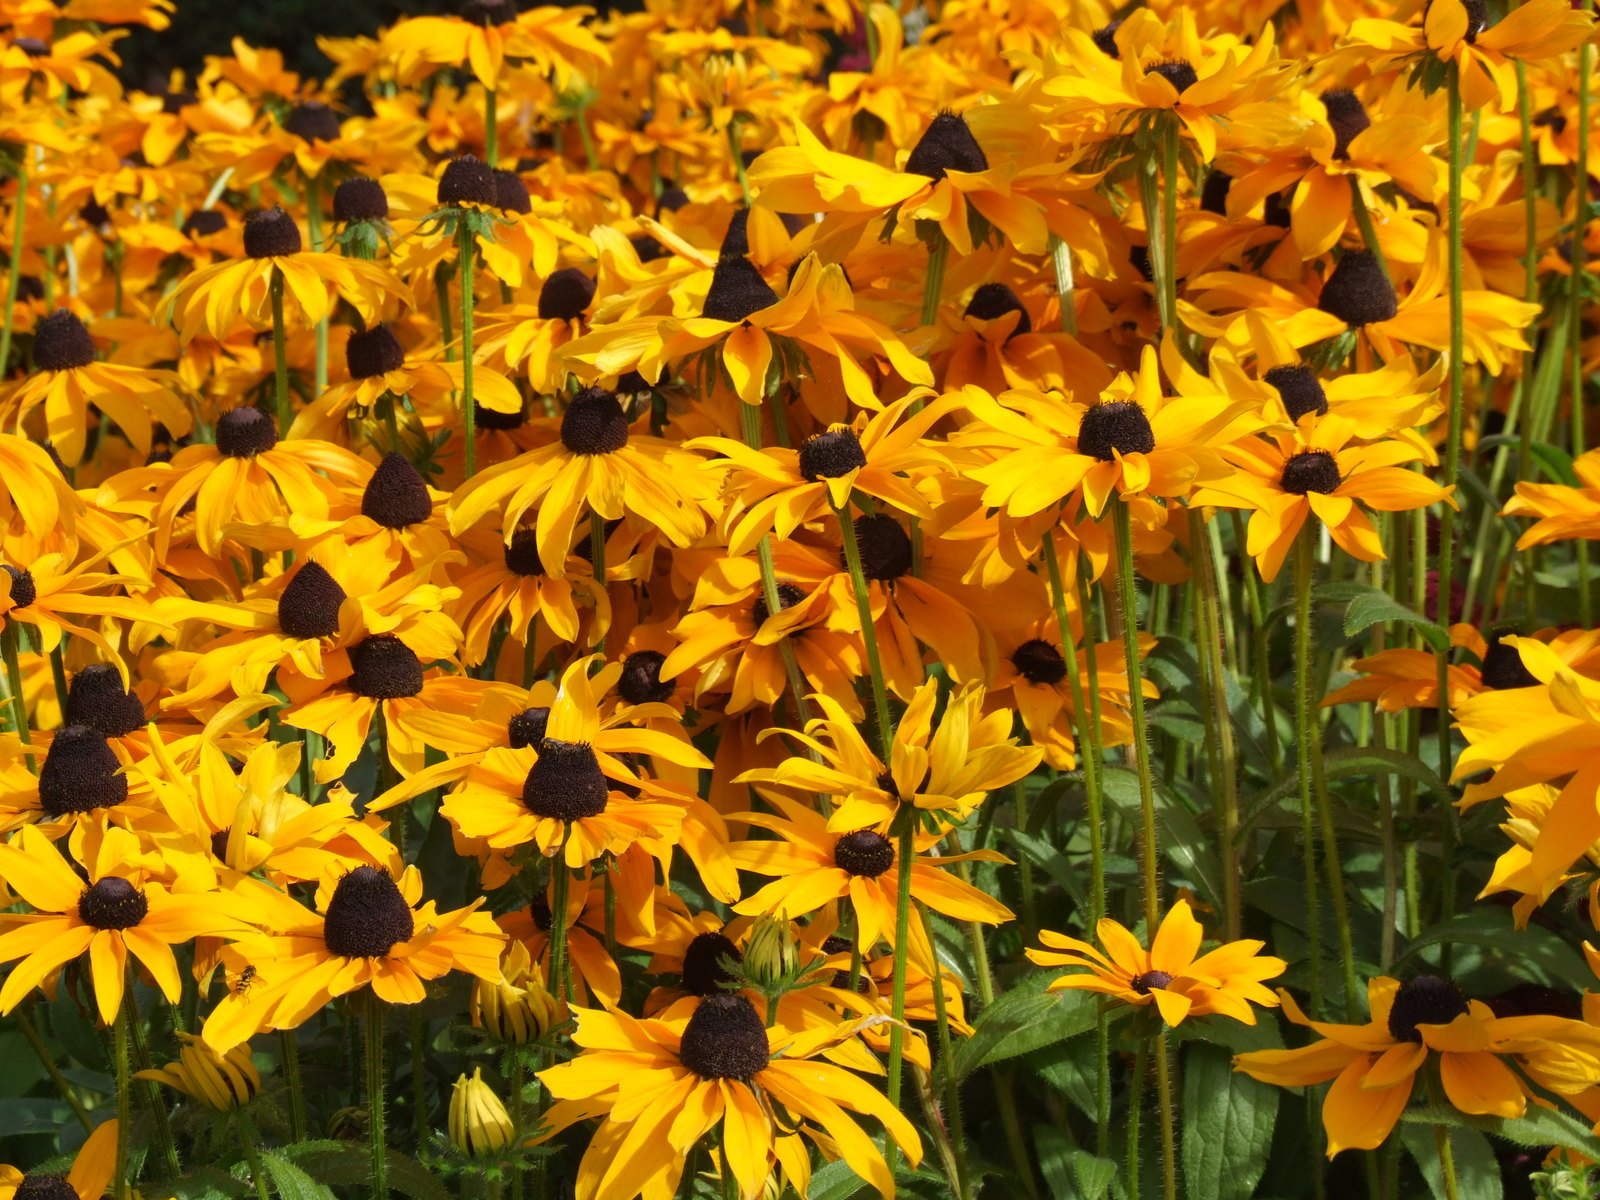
[91,1172]
[516,1008]
[1172,974]
[663,1085]
[1374,1066]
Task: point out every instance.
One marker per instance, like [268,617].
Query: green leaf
[1477,1173]
[290,1182]
[1227,1127]
[1025,1019]
[834,1181]
[340,1164]
[1539,1128]
[205,1183]
[1182,840]
[1349,762]
[1532,949]
[1070,1170]
[1374,606]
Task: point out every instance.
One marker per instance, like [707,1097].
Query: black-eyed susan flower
[69,379]
[112,913]
[1172,974]
[720,1065]
[817,867]
[1484,1062]
[369,930]
[1319,470]
[599,462]
[88,1178]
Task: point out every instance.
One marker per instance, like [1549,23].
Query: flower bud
[517,1008]
[479,1123]
[220,1081]
[770,954]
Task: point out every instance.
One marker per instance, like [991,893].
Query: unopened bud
[770,954]
[220,1081]
[517,1008]
[479,1123]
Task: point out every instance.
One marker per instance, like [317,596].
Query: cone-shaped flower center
[23,589]
[45,1187]
[1105,39]
[510,193]
[831,455]
[725,1039]
[946,145]
[468,180]
[1347,116]
[373,352]
[565,296]
[396,496]
[594,423]
[886,550]
[1300,390]
[360,199]
[865,853]
[112,903]
[1358,292]
[1425,1000]
[246,432]
[367,916]
[384,668]
[61,342]
[314,121]
[309,605]
[98,699]
[80,773]
[788,596]
[1038,661]
[271,233]
[1312,471]
[1503,667]
[996,300]
[1117,425]
[703,972]
[527,727]
[1149,982]
[641,682]
[737,290]
[566,783]
[1180,74]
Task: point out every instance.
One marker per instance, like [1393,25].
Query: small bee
[241,985]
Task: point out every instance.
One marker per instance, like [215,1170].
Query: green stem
[258,1176]
[1061,259]
[1577,289]
[1128,599]
[491,125]
[376,1083]
[905,855]
[47,1059]
[560,882]
[952,1086]
[1166,1089]
[1141,1062]
[597,562]
[152,1095]
[1158,196]
[58,676]
[419,1073]
[869,633]
[121,1184]
[750,429]
[19,232]
[1306,733]
[467,247]
[1226,785]
[441,299]
[933,282]
[280,356]
[289,1053]
[314,226]
[1369,234]
[738,160]
[1089,759]
[19,702]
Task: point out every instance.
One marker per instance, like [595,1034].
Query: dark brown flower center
[946,145]
[566,783]
[1117,425]
[98,699]
[1300,390]
[468,180]
[703,972]
[396,496]
[788,596]
[384,668]
[61,342]
[594,423]
[367,916]
[1312,471]
[360,199]
[1180,74]
[271,233]
[246,432]
[831,455]
[1038,661]
[865,853]
[566,295]
[993,300]
[641,682]
[737,290]
[113,903]
[373,352]
[1425,1000]
[725,1039]
[1150,981]
[308,607]
[886,549]
[1357,291]
[1347,116]
[80,773]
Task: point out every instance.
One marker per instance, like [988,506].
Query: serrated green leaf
[341,1164]
[1477,1173]
[1374,606]
[205,1183]
[834,1181]
[1534,950]
[291,1182]
[1538,1128]
[1227,1127]
[1070,1170]
[1021,1021]
[1353,762]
